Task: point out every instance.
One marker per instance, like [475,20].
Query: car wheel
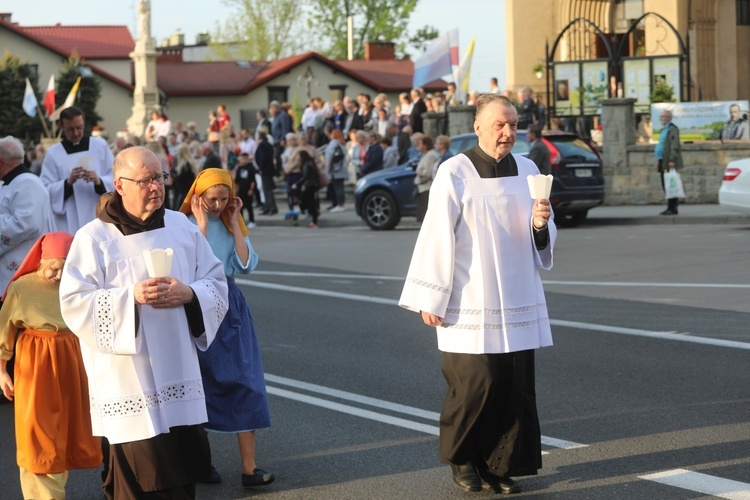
[380,211]
[572,219]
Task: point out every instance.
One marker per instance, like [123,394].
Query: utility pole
[349,32]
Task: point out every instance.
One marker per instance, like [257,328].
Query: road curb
[666,220]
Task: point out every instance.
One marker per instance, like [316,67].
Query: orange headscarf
[205,180]
[49,246]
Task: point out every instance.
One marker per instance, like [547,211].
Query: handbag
[338,155]
[673,184]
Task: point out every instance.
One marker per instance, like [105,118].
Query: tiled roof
[230,78]
[55,48]
[392,75]
[209,78]
[196,78]
[91,42]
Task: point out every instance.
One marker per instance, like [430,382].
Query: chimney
[6,17]
[380,51]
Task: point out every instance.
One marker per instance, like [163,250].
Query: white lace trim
[104,321]
[491,326]
[506,314]
[138,404]
[221,308]
[494,312]
[431,286]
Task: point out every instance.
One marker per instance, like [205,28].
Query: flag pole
[44,122]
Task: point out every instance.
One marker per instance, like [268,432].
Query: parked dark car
[382,198]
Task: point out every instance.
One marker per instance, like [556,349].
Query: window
[278,94]
[249,119]
[336,93]
[743,12]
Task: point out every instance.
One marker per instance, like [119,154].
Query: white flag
[29,100]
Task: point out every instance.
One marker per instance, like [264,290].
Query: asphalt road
[646,383]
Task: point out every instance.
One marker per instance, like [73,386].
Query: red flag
[49,96]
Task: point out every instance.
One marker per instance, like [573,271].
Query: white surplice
[141,362]
[75,211]
[25,215]
[475,263]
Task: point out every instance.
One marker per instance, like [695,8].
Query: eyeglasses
[160,179]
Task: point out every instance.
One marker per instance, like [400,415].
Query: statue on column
[144,22]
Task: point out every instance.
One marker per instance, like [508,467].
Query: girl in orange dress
[53,427]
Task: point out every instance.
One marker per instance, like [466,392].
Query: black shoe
[259,477]
[214,478]
[669,212]
[466,477]
[503,485]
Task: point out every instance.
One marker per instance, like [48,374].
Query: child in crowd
[53,426]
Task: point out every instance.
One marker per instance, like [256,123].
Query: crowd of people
[372,133]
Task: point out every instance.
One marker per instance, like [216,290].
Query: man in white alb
[475,276]
[76,172]
[139,333]
[25,213]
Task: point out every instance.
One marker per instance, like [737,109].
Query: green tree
[88,92]
[13,120]
[421,39]
[260,30]
[662,93]
[374,20]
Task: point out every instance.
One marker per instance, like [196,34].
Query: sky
[191,17]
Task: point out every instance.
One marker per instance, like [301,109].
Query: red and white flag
[49,96]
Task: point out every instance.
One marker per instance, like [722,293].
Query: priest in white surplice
[76,172]
[139,334]
[475,276]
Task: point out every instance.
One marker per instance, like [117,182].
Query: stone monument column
[145,93]
[618,123]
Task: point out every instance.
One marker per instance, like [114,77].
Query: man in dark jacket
[374,155]
[212,160]
[539,153]
[264,161]
[353,119]
[418,108]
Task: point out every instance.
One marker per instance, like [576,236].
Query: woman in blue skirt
[231,368]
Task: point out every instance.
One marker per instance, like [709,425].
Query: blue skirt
[232,372]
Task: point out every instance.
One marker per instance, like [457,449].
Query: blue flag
[29,100]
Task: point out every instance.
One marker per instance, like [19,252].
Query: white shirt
[141,362]
[310,116]
[79,209]
[249,146]
[475,263]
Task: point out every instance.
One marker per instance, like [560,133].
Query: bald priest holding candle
[475,276]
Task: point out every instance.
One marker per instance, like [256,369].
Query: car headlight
[361,183]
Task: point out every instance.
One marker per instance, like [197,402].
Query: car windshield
[570,146]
